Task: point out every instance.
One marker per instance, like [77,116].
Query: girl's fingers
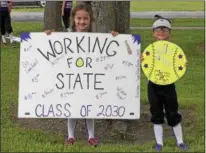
[48,32]
[114,33]
[186,64]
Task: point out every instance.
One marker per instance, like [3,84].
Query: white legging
[89,125]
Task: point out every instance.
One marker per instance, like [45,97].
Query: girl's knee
[173,119]
[158,119]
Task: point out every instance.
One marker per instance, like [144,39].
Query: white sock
[3,38]
[11,37]
[90,127]
[71,127]
[68,29]
[178,133]
[158,131]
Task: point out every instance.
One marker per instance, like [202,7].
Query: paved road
[38,16]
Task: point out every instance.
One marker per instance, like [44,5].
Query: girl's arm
[63,5]
[141,57]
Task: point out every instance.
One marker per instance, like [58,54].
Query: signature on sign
[163,76]
[29,66]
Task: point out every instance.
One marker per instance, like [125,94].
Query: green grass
[190,92]
[138,23]
[175,22]
[137,6]
[24,9]
[167,6]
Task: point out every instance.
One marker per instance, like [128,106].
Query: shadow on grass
[109,131]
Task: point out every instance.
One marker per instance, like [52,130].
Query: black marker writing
[85,109]
[57,110]
[62,47]
[111,111]
[73,81]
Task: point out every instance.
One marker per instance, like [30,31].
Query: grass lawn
[190,92]
[146,6]
[153,5]
[175,22]
[25,9]
[143,23]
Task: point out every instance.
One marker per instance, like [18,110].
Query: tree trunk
[85,2]
[104,14]
[52,16]
[111,15]
[122,16]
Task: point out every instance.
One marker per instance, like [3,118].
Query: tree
[111,15]
[122,14]
[52,16]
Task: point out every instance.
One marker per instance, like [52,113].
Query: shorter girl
[164,97]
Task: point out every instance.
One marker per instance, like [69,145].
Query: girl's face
[82,21]
[161,33]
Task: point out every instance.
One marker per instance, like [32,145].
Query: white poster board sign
[79,75]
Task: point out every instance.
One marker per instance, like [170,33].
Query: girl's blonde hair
[85,7]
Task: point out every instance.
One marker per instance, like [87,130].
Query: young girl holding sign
[81,21]
[164,96]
